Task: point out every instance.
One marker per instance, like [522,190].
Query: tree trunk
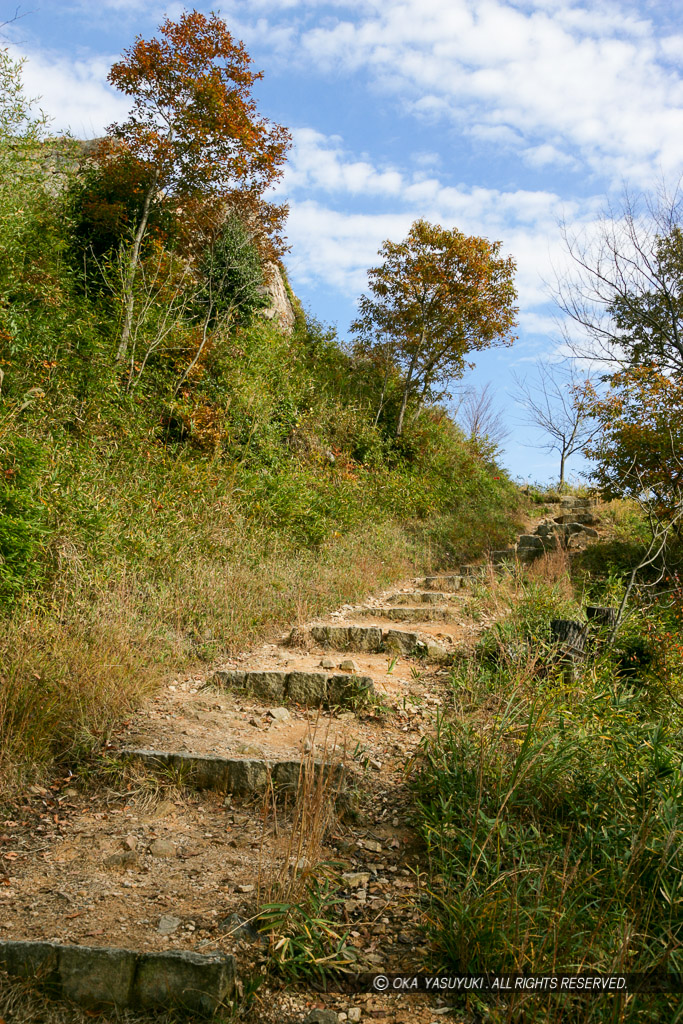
[128,288]
[563,459]
[601,616]
[402,411]
[406,395]
[381,400]
[570,634]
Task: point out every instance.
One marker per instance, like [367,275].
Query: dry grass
[553,567]
[20,1003]
[73,667]
[298,899]
[305,826]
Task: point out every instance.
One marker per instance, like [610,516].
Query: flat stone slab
[584,518]
[578,503]
[529,540]
[373,638]
[314,689]
[527,555]
[97,977]
[444,583]
[503,555]
[433,613]
[471,570]
[349,638]
[415,597]
[240,777]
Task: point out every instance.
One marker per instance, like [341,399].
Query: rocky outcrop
[573,528]
[280,309]
[63,157]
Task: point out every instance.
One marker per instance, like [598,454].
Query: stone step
[241,777]
[530,540]
[376,639]
[574,504]
[471,570]
[584,518]
[443,583]
[527,555]
[564,530]
[503,555]
[96,977]
[432,613]
[312,689]
[415,597]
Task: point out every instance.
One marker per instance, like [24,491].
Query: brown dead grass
[72,668]
[311,817]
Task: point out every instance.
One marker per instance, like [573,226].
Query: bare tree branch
[625,288]
[479,417]
[550,403]
[17,16]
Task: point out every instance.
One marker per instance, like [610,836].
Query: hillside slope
[307,811]
[232,474]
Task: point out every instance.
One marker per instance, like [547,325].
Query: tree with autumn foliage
[438,295]
[194,140]
[638,448]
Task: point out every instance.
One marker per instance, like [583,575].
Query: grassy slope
[144,529]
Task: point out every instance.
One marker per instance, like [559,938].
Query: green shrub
[23,518]
[233,275]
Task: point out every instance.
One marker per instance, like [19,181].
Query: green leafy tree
[232,285]
[437,296]
[21,178]
[637,448]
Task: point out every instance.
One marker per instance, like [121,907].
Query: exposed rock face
[280,308]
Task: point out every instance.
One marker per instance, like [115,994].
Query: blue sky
[491,116]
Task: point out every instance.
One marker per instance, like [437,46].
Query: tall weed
[552,820]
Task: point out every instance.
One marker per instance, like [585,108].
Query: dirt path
[195,824]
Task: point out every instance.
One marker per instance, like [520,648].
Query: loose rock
[356,879]
[128,859]
[241,929]
[321,1017]
[279,714]
[168,924]
[161,848]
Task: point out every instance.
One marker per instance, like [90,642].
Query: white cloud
[333,246]
[74,94]
[319,162]
[595,81]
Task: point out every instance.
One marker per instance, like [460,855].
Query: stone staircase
[139,895]
[572,528]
